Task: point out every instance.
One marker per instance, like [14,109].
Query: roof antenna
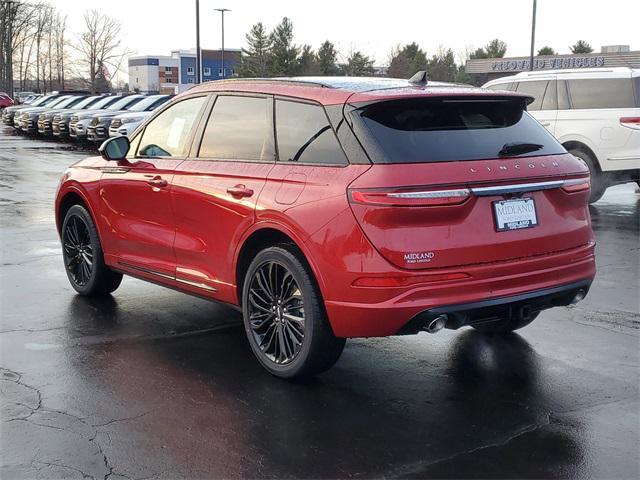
[419,78]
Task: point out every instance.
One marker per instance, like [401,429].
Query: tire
[505,325]
[598,183]
[291,336]
[82,255]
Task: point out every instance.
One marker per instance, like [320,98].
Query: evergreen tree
[399,66]
[284,54]
[479,53]
[581,47]
[358,65]
[546,51]
[406,61]
[327,59]
[496,48]
[417,58]
[255,58]
[442,66]
[308,62]
[462,76]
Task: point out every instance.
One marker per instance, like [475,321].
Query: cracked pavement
[151,383]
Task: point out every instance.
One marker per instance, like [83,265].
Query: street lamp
[222,10]
[198,60]
[533,34]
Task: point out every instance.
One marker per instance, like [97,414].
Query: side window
[239,128]
[305,135]
[536,90]
[601,93]
[550,100]
[167,134]
[563,96]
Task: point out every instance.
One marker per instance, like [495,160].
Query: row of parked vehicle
[82,117]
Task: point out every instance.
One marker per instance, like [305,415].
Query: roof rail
[298,82]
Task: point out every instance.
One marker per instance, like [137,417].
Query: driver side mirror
[115,148]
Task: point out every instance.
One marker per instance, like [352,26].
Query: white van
[594,113]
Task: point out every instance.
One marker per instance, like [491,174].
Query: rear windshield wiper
[518,148]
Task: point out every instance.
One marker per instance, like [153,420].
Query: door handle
[157,182]
[239,191]
[545,124]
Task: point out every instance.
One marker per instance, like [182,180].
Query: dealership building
[176,73]
[485,69]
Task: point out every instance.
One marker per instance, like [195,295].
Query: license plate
[515,214]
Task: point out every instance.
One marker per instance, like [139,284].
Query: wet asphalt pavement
[152,383]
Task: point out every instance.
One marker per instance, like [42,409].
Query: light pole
[198,59]
[222,10]
[533,34]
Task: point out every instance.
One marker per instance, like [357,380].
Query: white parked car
[594,113]
[126,123]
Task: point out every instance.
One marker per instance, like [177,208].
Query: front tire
[284,316]
[82,255]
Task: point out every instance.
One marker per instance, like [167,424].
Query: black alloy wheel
[284,315]
[78,252]
[82,255]
[276,312]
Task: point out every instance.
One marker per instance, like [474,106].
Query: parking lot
[152,383]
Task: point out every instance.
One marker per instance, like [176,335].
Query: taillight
[576,185]
[630,122]
[409,198]
[390,282]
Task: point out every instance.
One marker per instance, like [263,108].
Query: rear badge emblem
[517,166]
[419,257]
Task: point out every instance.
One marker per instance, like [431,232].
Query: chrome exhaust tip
[579,296]
[437,324]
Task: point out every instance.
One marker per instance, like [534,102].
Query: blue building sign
[548,63]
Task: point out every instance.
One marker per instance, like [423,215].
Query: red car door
[135,194]
[215,192]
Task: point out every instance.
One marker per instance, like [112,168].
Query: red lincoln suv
[327,208]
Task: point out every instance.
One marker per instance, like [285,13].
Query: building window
[220,73]
[191,71]
[190,80]
[231,72]
[167,69]
[207,71]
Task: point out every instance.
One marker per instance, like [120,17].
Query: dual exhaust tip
[437,324]
[443,320]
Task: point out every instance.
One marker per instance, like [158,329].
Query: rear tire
[505,325]
[82,255]
[284,316]
[598,182]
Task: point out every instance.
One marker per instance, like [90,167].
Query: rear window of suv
[448,129]
[594,93]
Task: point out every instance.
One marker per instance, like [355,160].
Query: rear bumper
[486,311]
[503,282]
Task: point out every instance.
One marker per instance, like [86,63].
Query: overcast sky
[373,27]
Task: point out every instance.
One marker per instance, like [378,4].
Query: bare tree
[40,26]
[60,42]
[99,47]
